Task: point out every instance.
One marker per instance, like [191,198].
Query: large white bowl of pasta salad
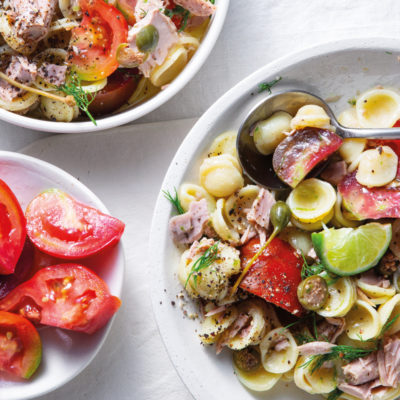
[316,311]
[86,65]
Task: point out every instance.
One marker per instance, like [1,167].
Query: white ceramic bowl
[65,353]
[147,107]
[335,69]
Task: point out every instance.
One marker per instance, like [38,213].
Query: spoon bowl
[258,167]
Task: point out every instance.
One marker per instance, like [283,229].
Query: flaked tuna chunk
[281,344]
[168,37]
[389,362]
[189,227]
[363,392]
[362,370]
[261,208]
[22,71]
[143,7]
[53,73]
[331,328]
[371,278]
[315,348]
[335,172]
[240,323]
[201,8]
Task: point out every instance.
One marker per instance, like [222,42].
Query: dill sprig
[180,11]
[387,325]
[82,99]
[310,270]
[204,261]
[174,201]
[335,394]
[352,101]
[268,85]
[303,338]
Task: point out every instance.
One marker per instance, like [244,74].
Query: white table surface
[125,169]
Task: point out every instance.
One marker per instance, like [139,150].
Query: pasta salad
[69,59]
[300,285]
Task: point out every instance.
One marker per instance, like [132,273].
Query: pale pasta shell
[20,104]
[189,192]
[221,226]
[56,110]
[374,291]
[388,311]
[224,144]
[349,119]
[310,116]
[144,91]
[351,149]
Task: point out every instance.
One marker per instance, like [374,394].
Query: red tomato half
[94,43]
[20,345]
[61,226]
[12,229]
[67,296]
[275,275]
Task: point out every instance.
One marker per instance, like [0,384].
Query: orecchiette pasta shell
[20,104]
[341,297]
[224,144]
[362,322]
[374,291]
[56,110]
[183,274]
[144,91]
[348,118]
[189,192]
[378,108]
[339,220]
[298,238]
[388,311]
[221,226]
[259,380]
[351,149]
[278,362]
[310,115]
[314,226]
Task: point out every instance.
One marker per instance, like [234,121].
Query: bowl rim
[158,238]
[130,115]
[55,171]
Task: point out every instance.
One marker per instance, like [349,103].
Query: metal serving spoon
[257,166]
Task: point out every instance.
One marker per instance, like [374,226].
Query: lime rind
[349,251]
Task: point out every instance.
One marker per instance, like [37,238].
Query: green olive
[313,292]
[248,359]
[147,38]
[280,215]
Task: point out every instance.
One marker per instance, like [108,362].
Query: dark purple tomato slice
[299,153]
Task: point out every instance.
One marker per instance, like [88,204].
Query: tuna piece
[315,348]
[331,328]
[241,322]
[261,208]
[389,362]
[362,370]
[282,344]
[53,73]
[335,172]
[22,71]
[201,8]
[371,278]
[189,227]
[363,392]
[143,7]
[168,36]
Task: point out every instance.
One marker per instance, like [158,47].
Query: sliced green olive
[147,38]
[248,359]
[313,292]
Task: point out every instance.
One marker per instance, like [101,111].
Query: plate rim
[191,144]
[66,176]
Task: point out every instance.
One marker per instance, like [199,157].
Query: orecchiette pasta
[189,192]
[388,311]
[310,116]
[351,149]
[20,104]
[58,111]
[221,226]
[224,144]
[349,119]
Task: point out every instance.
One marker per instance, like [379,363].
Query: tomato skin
[12,230]
[94,43]
[62,227]
[127,7]
[25,361]
[276,274]
[68,296]
[120,87]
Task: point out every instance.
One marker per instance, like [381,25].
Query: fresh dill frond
[267,86]
[310,270]
[212,1]
[82,99]
[352,101]
[335,394]
[303,338]
[174,201]
[387,325]
[179,11]
[204,261]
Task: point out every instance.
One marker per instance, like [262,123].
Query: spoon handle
[375,133]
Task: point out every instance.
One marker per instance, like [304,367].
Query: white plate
[65,353]
[147,107]
[337,69]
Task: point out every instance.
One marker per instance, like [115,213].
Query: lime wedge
[350,251]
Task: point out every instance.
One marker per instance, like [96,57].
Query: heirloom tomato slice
[20,345]
[68,296]
[275,275]
[12,230]
[60,226]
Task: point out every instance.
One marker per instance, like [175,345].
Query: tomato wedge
[275,275]
[59,225]
[94,43]
[12,230]
[20,345]
[68,296]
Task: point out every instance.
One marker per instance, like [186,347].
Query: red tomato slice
[127,7]
[177,19]
[94,43]
[12,230]
[68,296]
[276,274]
[20,345]
[61,226]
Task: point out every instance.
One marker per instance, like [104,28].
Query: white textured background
[125,169]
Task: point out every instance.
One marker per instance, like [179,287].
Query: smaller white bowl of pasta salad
[299,285]
[86,65]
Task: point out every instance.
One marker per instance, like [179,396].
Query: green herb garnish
[268,85]
[82,99]
[174,201]
[335,394]
[179,11]
[204,261]
[352,101]
[303,338]
[310,270]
